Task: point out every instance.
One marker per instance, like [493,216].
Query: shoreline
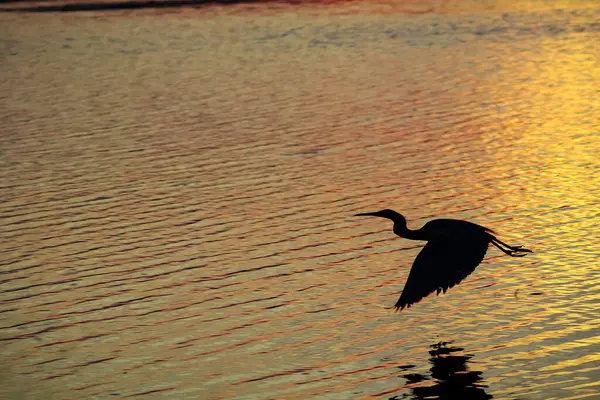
[386,6]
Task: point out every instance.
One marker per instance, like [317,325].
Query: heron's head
[389,214]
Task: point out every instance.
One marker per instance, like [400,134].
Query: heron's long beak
[370,214]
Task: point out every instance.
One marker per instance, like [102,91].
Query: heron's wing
[441,264]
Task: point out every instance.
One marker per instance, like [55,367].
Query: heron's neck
[402,230]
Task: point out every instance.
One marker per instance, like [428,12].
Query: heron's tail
[513,251]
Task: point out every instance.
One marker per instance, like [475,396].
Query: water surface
[178,190]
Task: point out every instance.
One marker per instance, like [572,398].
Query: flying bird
[454,249]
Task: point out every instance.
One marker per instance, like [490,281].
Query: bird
[453,250]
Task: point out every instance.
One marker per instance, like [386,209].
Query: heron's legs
[513,251]
[515,248]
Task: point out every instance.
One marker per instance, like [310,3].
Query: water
[178,190]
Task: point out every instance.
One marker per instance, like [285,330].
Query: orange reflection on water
[232,265]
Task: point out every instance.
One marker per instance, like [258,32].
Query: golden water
[178,190]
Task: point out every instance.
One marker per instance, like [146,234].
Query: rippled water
[178,190]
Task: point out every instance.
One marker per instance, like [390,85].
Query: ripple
[179,192]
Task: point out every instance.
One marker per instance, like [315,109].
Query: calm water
[178,190]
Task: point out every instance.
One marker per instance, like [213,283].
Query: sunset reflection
[179,188]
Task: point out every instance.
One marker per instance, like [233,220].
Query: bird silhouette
[454,249]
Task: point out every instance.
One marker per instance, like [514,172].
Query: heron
[453,250]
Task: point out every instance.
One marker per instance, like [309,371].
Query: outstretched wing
[442,264]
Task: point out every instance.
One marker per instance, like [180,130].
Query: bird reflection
[452,378]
